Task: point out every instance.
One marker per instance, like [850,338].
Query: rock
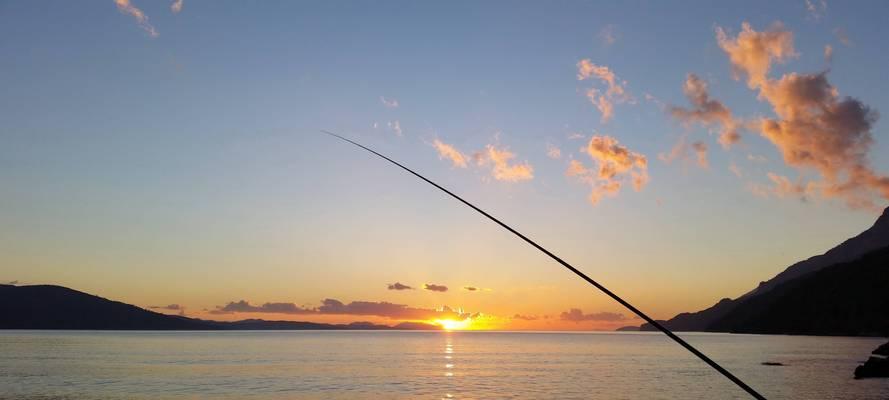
[877,366]
[772,364]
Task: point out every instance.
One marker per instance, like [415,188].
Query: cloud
[757,158]
[576,136]
[395,126]
[815,129]
[399,286]
[171,307]
[828,53]
[706,111]
[752,53]
[526,317]
[577,315]
[682,151]
[125,7]
[615,92]
[470,288]
[446,151]
[12,283]
[176,7]
[553,151]
[389,103]
[336,307]
[700,149]
[607,35]
[501,169]
[735,169]
[273,308]
[614,164]
[435,288]
[842,36]
[816,9]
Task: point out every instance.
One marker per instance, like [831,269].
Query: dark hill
[875,237]
[57,307]
[846,299]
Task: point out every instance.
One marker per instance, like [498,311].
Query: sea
[94,365]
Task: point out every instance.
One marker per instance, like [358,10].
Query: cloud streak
[450,153]
[576,315]
[125,7]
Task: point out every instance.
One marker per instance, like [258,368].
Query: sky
[168,154]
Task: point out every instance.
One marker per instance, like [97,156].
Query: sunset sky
[168,153]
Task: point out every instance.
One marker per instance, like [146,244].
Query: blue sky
[188,167]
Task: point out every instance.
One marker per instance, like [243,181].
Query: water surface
[464,365]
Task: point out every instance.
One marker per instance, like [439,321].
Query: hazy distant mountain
[875,237]
[56,307]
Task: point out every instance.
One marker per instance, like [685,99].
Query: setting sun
[454,325]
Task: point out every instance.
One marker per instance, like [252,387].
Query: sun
[453,325]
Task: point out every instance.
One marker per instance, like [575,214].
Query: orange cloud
[752,53]
[446,151]
[615,164]
[176,7]
[125,7]
[502,170]
[707,111]
[815,129]
[615,91]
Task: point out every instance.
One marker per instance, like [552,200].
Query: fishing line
[577,272]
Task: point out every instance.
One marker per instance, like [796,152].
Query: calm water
[431,365]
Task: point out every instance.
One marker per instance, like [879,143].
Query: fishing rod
[577,272]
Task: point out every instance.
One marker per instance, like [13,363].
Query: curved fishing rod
[577,272]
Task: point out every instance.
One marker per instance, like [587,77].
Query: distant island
[842,292]
[57,307]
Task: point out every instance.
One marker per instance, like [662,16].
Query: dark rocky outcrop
[877,366]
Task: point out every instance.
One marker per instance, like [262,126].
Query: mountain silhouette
[57,307]
[874,238]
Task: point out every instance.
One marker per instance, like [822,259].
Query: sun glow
[453,325]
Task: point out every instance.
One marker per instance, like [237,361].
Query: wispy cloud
[125,7]
[389,103]
[608,35]
[395,126]
[816,9]
[470,288]
[176,7]
[450,153]
[553,151]
[577,315]
[526,317]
